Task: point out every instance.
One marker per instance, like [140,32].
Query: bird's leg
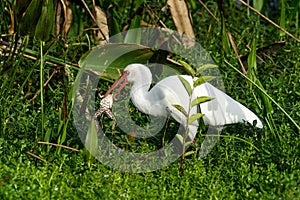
[105,108]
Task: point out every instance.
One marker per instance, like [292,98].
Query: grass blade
[265,93]
[91,141]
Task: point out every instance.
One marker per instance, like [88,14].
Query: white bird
[159,100]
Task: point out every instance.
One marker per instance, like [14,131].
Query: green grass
[263,167]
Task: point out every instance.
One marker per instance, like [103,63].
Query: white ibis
[159,100]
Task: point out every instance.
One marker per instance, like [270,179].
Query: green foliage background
[233,170]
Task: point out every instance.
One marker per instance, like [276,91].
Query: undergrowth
[233,170]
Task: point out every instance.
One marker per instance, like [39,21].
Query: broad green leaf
[21,6]
[199,81]
[45,25]
[194,117]
[181,109]
[30,18]
[205,67]
[202,80]
[109,60]
[187,68]
[181,140]
[186,84]
[78,25]
[208,66]
[200,100]
[91,141]
[258,4]
[209,78]
[134,36]
[115,29]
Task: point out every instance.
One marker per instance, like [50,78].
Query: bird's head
[137,72]
[132,73]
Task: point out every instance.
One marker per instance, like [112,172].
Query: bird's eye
[126,72]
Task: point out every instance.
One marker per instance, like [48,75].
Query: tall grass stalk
[282,17]
[42,87]
[252,74]
[265,93]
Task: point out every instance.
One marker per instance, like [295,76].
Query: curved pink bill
[123,80]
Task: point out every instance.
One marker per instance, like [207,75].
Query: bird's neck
[140,97]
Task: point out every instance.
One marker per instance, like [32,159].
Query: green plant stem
[264,92]
[186,132]
[42,85]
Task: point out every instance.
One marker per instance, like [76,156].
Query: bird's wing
[223,109]
[171,91]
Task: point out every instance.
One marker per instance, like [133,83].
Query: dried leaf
[264,52]
[11,27]
[180,14]
[57,18]
[68,17]
[272,48]
[101,20]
